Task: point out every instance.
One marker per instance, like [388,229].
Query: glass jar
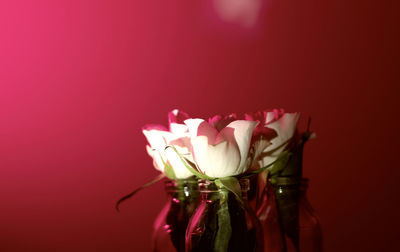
[309,224]
[267,213]
[222,222]
[299,224]
[170,224]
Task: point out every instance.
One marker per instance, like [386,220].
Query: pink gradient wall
[78,80]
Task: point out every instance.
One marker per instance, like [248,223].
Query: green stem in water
[181,195]
[224,224]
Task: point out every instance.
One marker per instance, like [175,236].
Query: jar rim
[210,186]
[176,185]
[301,184]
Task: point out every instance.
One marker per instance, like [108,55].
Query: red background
[78,80]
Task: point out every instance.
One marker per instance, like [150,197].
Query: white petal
[259,146]
[156,138]
[177,164]
[270,117]
[285,127]
[199,127]
[241,131]
[157,162]
[271,157]
[193,125]
[178,129]
[221,160]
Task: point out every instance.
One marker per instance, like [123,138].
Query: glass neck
[210,190]
[183,189]
[288,184]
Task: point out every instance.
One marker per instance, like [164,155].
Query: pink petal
[219,122]
[154,127]
[177,116]
[259,116]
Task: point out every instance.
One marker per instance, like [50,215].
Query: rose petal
[219,122]
[178,129]
[199,127]
[181,172]
[259,146]
[154,127]
[271,116]
[157,162]
[177,116]
[156,138]
[285,128]
[242,133]
[219,160]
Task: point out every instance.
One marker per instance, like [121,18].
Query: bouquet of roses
[223,150]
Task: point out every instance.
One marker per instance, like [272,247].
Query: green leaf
[231,184]
[280,163]
[254,172]
[282,158]
[224,232]
[189,167]
[155,180]
[168,170]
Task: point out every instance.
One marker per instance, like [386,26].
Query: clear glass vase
[170,224]
[299,224]
[309,224]
[223,223]
[267,213]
